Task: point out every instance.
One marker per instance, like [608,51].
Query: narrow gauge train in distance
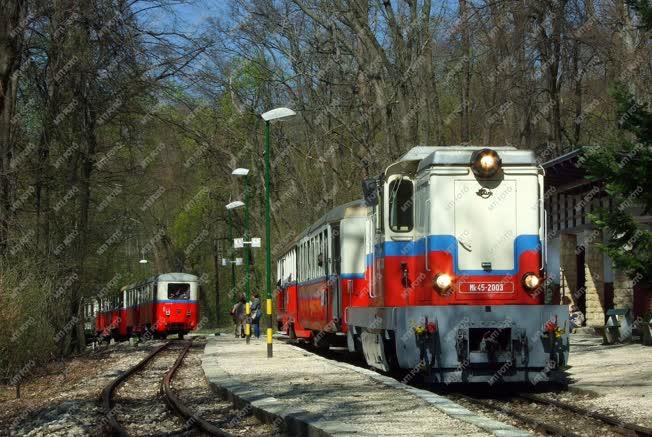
[441,268]
[161,305]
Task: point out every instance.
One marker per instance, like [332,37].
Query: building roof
[565,171]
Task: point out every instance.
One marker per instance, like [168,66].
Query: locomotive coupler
[462,345]
[490,345]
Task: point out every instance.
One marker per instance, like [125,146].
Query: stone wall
[594,280]
[623,290]
[568,265]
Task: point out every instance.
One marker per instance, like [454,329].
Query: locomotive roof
[422,157]
[357,208]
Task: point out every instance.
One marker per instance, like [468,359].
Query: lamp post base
[269,343]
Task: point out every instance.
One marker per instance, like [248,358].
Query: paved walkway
[331,398]
[619,375]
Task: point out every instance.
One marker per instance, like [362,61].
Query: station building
[577,267]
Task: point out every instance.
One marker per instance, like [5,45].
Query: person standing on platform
[255,313]
[238,314]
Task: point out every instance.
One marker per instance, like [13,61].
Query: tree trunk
[216,266]
[466,73]
[11,38]
[577,128]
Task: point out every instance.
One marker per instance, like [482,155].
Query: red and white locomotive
[441,268]
[161,305]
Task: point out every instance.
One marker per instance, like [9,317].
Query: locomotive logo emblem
[484,193]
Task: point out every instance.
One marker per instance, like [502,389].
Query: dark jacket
[255,309]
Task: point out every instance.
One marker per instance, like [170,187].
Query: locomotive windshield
[400,205]
[179,291]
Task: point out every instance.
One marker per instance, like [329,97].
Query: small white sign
[255,242]
[224,262]
[238,261]
[238,243]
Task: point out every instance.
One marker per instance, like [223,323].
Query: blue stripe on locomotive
[448,243]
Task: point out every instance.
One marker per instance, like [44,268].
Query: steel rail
[535,423]
[179,407]
[107,393]
[639,430]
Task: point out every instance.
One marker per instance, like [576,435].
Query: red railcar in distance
[107,317]
[161,305]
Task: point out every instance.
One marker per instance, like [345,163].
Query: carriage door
[370,225]
[335,271]
[376,245]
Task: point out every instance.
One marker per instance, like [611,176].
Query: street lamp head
[143,261]
[235,204]
[277,113]
[240,172]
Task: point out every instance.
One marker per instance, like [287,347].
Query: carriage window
[400,205]
[309,254]
[179,291]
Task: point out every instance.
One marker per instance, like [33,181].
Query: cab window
[401,204]
[179,291]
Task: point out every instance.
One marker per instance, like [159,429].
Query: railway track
[554,417]
[613,421]
[189,420]
[179,407]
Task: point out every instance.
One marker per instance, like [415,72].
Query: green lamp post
[269,116]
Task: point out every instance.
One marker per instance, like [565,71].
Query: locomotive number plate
[486,287]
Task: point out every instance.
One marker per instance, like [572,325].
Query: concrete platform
[305,394]
[619,376]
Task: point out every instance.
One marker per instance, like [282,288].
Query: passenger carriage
[321,274]
[91,309]
[108,319]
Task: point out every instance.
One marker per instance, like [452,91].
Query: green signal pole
[247,247]
[268,245]
[246,254]
[233,293]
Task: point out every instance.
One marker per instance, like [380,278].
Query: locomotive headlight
[485,163]
[531,281]
[443,281]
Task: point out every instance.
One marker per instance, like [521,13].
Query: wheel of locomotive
[357,344]
[180,335]
[390,351]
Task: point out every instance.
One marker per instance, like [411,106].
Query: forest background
[121,121]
